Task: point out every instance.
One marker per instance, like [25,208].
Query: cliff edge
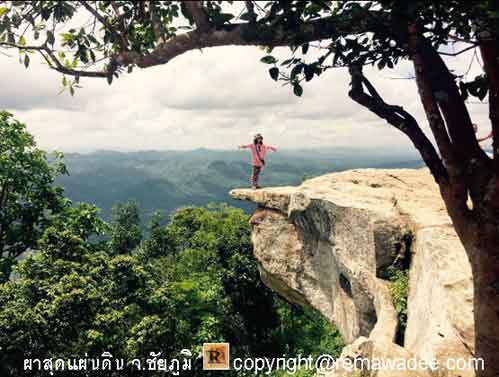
[334,242]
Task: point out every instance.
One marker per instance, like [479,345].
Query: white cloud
[212,99]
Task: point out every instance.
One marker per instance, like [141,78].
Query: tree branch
[250,8]
[399,118]
[467,164]
[437,86]
[157,28]
[490,56]
[250,34]
[198,14]
[55,63]
[120,21]
[459,52]
[105,23]
[241,34]
[460,39]
[433,115]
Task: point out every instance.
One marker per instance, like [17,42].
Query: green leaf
[3,10]
[297,90]
[296,70]
[50,37]
[26,60]
[309,72]
[287,61]
[337,56]
[274,73]
[22,41]
[482,92]
[226,17]
[246,16]
[464,90]
[268,59]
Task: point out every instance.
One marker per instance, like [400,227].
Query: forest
[73,284]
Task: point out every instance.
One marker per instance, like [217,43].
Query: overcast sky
[216,98]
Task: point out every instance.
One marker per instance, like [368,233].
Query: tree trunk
[479,234]
[470,176]
[485,262]
[485,267]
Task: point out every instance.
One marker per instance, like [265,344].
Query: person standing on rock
[258,151]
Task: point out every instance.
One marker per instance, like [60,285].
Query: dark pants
[255,174]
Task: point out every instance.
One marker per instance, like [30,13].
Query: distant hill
[166,180]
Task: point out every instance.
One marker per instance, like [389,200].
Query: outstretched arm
[273,149]
[243,146]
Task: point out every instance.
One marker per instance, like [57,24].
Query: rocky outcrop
[331,243]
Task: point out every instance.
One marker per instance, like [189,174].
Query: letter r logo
[216,356]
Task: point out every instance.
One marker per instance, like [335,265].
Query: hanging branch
[397,117]
[53,62]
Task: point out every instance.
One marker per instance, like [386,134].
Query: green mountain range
[166,180]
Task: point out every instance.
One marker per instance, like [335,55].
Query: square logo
[216,356]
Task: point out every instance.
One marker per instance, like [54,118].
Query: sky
[216,98]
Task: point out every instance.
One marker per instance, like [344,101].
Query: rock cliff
[333,242]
